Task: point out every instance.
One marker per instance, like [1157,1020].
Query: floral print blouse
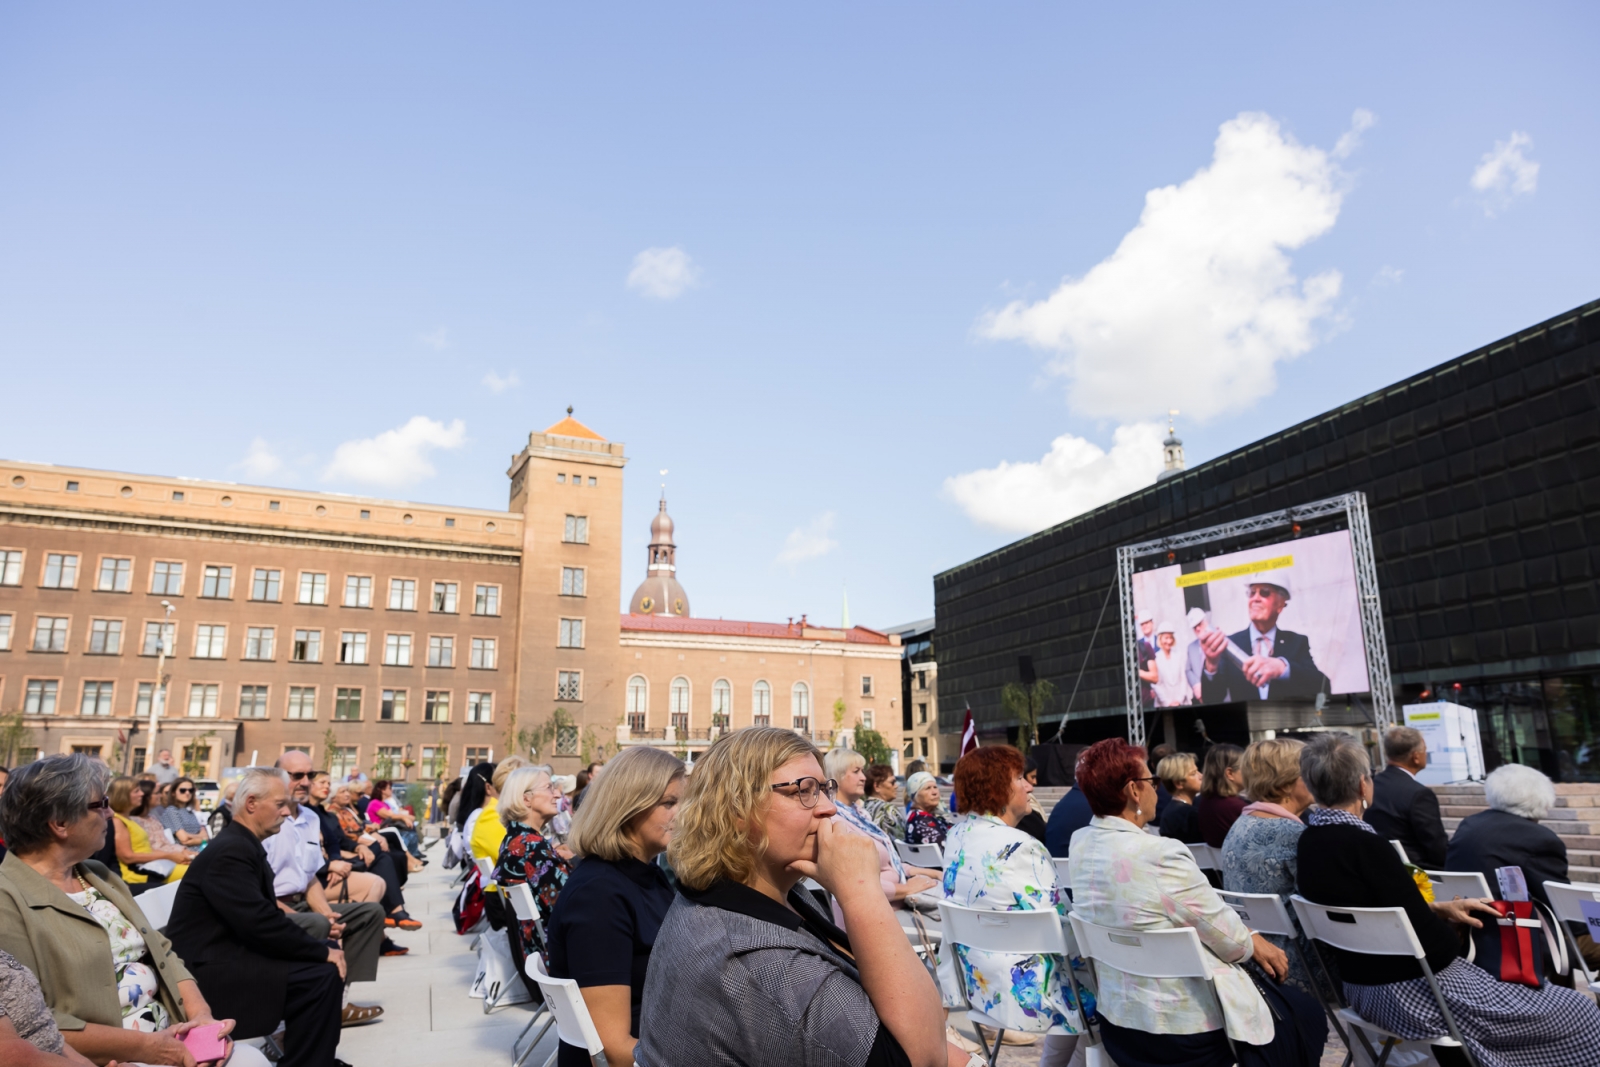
[528,856]
[997,867]
[890,815]
[926,827]
[137,985]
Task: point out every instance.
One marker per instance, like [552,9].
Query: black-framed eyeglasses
[807,789]
[103,804]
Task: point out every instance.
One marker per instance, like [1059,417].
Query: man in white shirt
[295,855]
[163,769]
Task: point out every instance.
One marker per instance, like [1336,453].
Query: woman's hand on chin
[846,862]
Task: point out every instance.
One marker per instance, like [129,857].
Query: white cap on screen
[1165,627]
[1195,617]
[1144,617]
[1278,578]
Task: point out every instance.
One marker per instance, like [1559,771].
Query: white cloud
[663,273]
[1388,275]
[1198,303]
[1505,173]
[1074,477]
[810,541]
[498,384]
[438,340]
[260,461]
[395,457]
[1361,121]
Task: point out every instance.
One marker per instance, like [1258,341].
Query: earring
[1138,812]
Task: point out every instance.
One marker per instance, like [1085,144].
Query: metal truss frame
[1354,507]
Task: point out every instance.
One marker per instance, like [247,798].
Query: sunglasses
[300,776]
[103,804]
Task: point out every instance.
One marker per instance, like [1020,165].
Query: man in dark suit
[252,963]
[1277,664]
[1145,651]
[1403,809]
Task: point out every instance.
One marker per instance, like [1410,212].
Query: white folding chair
[523,904]
[1019,932]
[1205,857]
[1264,913]
[1377,932]
[1175,953]
[1063,876]
[573,1024]
[1398,847]
[920,855]
[485,872]
[1566,900]
[1447,885]
[157,904]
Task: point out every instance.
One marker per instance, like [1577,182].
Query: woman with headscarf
[928,821]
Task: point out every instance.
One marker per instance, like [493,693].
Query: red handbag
[1520,956]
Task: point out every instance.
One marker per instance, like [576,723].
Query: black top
[1034,826]
[1349,866]
[743,900]
[1071,813]
[609,914]
[1181,821]
[1493,839]
[1405,810]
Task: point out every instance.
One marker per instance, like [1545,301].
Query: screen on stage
[1276,622]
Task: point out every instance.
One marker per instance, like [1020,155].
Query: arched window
[800,707]
[680,705]
[638,702]
[761,705]
[721,703]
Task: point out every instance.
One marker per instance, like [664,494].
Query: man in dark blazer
[252,963]
[1403,809]
[1278,663]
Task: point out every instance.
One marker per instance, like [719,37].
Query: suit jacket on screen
[1305,680]
[1405,810]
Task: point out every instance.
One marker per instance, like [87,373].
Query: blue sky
[232,241]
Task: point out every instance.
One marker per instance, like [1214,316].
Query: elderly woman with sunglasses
[180,817]
[530,801]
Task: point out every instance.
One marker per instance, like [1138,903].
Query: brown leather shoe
[359,1015]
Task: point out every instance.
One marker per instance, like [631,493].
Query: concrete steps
[1575,818]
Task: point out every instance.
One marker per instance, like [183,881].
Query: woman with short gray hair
[1345,863]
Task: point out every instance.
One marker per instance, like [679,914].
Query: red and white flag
[969,733]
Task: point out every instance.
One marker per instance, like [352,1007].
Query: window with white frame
[572,581]
[60,571]
[569,685]
[252,702]
[353,647]
[388,761]
[866,719]
[397,650]
[486,600]
[441,651]
[402,594]
[358,591]
[436,705]
[159,637]
[480,707]
[141,705]
[678,697]
[638,702]
[5,633]
[571,634]
[721,703]
[302,702]
[216,582]
[49,634]
[307,646]
[96,699]
[210,641]
[105,637]
[266,584]
[761,704]
[313,588]
[10,567]
[116,575]
[800,706]
[39,698]
[166,579]
[436,760]
[203,700]
[392,706]
[576,531]
[444,597]
[483,654]
[259,641]
[347,705]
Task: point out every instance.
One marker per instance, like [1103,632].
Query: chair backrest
[1371,931]
[1027,932]
[1263,913]
[1205,857]
[1398,847]
[485,871]
[157,904]
[1175,953]
[521,901]
[1063,877]
[1566,900]
[1447,885]
[920,855]
[561,996]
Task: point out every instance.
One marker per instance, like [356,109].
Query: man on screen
[1194,669]
[1146,655]
[1277,663]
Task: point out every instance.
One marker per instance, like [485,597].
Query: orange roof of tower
[571,427]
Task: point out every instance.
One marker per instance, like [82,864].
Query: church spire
[1171,449]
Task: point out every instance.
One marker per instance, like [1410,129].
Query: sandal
[357,1015]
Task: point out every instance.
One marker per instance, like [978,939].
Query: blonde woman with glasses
[747,970]
[531,799]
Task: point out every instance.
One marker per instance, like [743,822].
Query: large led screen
[1275,622]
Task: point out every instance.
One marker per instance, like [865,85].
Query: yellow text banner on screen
[1238,570]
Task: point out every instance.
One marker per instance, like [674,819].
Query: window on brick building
[105,637]
[116,575]
[265,584]
[60,571]
[217,582]
[166,579]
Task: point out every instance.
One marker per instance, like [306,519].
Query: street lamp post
[158,699]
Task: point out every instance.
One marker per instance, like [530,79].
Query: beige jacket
[70,953]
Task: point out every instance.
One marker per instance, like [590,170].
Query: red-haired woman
[1125,878]
[991,864]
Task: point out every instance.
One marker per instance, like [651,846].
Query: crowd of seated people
[898,878]
[145,860]
[1220,804]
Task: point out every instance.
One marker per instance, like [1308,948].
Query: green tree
[1026,704]
[14,735]
[870,743]
[542,738]
[838,714]
[330,745]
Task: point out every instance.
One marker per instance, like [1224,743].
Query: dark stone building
[1482,477]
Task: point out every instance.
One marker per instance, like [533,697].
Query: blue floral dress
[996,867]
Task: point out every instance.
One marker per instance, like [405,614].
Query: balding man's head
[297,765]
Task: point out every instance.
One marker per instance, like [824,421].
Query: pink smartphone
[205,1043]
